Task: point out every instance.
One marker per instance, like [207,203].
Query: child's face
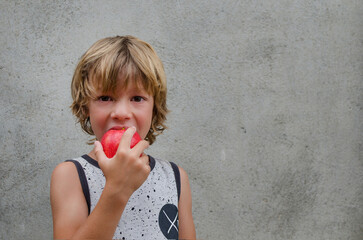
[130,106]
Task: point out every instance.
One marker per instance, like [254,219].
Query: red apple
[111,139]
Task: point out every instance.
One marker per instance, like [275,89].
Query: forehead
[108,75]
[124,80]
[129,84]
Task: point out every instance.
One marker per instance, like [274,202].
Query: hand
[128,169]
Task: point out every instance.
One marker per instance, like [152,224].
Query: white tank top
[152,210]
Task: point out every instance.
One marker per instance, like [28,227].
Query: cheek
[146,118]
[151,115]
[97,120]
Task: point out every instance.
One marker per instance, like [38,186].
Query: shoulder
[64,170]
[183,173]
[65,187]
[65,184]
[70,169]
[64,179]
[184,182]
[186,223]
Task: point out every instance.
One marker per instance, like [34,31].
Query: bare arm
[69,207]
[186,223]
[70,211]
[124,174]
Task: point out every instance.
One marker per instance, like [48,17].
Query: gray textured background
[266,100]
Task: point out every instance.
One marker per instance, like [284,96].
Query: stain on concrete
[294,193]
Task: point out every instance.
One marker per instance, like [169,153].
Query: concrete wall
[266,100]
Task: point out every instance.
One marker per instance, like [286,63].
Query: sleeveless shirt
[152,210]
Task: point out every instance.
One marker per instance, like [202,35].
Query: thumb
[98,150]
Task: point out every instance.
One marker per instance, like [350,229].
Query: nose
[121,110]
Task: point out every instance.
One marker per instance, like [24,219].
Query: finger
[147,163]
[145,159]
[140,147]
[98,150]
[126,138]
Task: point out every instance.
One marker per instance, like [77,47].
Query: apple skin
[111,139]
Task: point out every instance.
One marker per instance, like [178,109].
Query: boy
[120,83]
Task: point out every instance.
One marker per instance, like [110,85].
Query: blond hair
[101,65]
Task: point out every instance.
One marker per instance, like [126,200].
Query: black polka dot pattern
[142,212]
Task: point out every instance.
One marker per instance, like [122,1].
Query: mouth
[119,128]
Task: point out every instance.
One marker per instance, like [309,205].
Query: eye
[137,99]
[104,98]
